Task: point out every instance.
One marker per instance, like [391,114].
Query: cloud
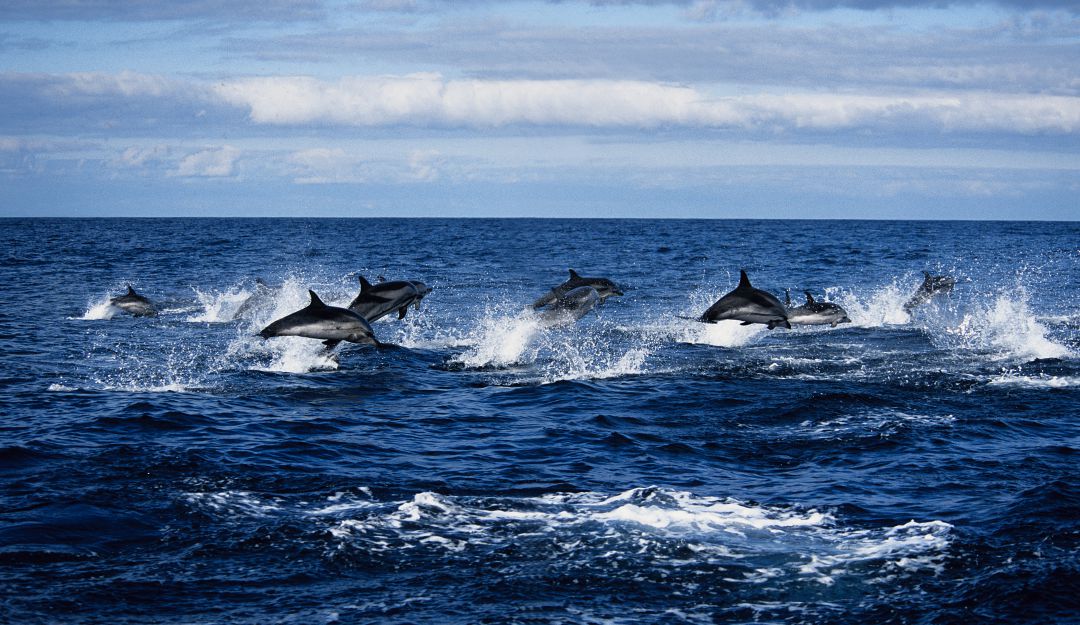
[429,101]
[209,163]
[158,10]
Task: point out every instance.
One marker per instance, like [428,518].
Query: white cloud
[428,100]
[209,163]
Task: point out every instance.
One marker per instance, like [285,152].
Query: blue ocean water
[632,467]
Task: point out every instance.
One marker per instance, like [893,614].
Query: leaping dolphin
[572,305]
[319,321]
[376,301]
[604,288]
[814,313]
[748,305]
[931,286]
[135,304]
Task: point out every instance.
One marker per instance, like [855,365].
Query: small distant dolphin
[814,313]
[319,321]
[604,288]
[263,297]
[748,305]
[376,301]
[133,303]
[931,286]
[572,305]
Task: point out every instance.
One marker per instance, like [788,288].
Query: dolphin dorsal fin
[574,275]
[315,301]
[809,298]
[787,298]
[131,291]
[364,285]
[744,281]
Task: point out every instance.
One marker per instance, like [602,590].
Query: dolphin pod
[566,302]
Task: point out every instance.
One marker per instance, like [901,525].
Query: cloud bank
[429,100]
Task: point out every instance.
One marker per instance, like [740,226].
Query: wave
[641,528]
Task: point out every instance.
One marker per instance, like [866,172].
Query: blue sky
[611,108]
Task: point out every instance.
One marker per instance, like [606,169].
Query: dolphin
[572,305]
[931,286]
[132,302]
[604,288]
[319,321]
[376,301]
[748,305]
[261,299]
[814,313]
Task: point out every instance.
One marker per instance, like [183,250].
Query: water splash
[218,306]
[882,306]
[101,309]
[1004,328]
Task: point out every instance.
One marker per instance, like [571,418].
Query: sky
[851,109]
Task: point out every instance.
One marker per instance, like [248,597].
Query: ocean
[634,466]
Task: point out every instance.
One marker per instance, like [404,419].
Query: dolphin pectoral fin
[402,311]
[747,323]
[331,343]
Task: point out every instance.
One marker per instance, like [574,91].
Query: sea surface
[633,467]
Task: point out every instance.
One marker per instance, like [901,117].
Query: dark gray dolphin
[748,305]
[375,301]
[319,321]
[931,286]
[572,305]
[814,313]
[261,299]
[133,303]
[604,288]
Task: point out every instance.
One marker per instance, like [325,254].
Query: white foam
[1004,328]
[100,309]
[218,306]
[772,544]
[1040,381]
[727,333]
[59,388]
[882,306]
[500,341]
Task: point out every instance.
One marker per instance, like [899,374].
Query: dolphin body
[133,303]
[604,289]
[319,321]
[376,301]
[748,305]
[814,313]
[931,286]
[572,305]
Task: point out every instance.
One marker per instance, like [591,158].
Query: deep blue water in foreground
[634,467]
